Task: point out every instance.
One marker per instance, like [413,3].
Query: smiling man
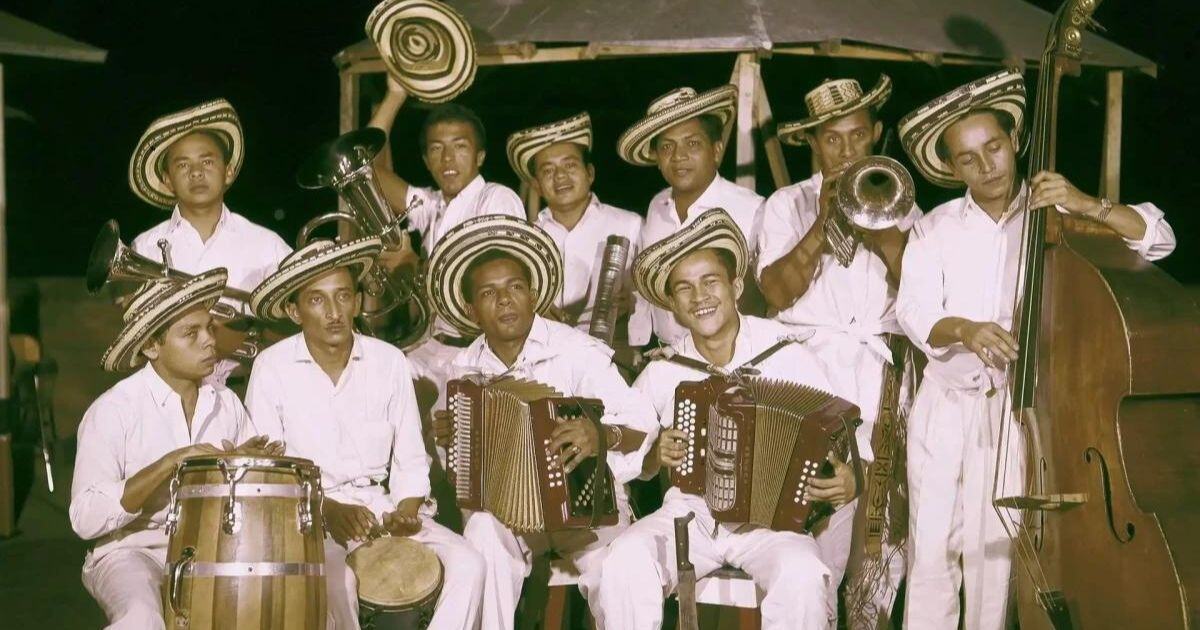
[187,161]
[961,270]
[682,134]
[137,433]
[493,276]
[346,402]
[556,159]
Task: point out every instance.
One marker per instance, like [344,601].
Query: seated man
[345,401]
[135,435]
[498,290]
[697,275]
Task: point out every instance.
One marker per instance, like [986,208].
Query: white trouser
[509,559]
[462,586]
[127,583]
[953,440]
[638,571]
[842,542]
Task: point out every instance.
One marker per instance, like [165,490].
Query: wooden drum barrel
[246,545]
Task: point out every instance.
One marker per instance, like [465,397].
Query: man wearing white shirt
[698,273]
[188,160]
[961,271]
[495,292]
[453,146]
[848,309]
[556,160]
[346,402]
[681,135]
[134,436]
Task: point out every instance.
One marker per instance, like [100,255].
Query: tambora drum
[399,580]
[246,545]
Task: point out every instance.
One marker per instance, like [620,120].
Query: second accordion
[752,445]
[500,459]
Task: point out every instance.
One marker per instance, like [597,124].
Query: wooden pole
[765,121]
[1110,165]
[745,75]
[7,495]
[533,201]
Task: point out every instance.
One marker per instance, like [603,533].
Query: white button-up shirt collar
[582,249]
[433,216]
[662,220]
[129,427]
[575,364]
[361,430]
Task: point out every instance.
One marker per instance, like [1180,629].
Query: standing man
[492,276]
[187,161]
[682,134]
[453,145]
[137,433]
[556,160]
[697,274]
[848,309]
[961,271]
[346,402]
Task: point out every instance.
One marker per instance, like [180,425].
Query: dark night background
[273,60]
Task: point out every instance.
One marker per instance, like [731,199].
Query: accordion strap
[600,477]
[667,353]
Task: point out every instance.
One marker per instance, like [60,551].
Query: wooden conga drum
[246,545]
[399,581]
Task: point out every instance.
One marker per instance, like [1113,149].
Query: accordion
[500,459]
[752,444]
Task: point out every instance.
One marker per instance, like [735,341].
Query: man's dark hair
[724,256]
[490,255]
[1003,118]
[710,123]
[452,112]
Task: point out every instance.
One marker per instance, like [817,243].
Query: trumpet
[399,313]
[874,193]
[113,261]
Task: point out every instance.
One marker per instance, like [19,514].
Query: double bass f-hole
[1093,455]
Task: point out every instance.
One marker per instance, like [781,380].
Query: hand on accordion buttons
[670,447]
[404,521]
[838,489]
[575,441]
[443,428]
[347,522]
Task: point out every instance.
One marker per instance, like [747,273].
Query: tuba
[240,336]
[874,193]
[397,311]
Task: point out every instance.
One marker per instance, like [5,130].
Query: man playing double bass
[961,271]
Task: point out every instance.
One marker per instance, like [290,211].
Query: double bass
[1106,394]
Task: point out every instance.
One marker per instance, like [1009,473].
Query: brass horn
[398,313]
[874,193]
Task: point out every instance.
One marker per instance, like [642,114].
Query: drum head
[256,462]
[395,572]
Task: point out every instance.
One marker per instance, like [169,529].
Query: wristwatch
[1106,207]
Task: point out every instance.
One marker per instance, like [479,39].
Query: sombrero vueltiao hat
[919,131]
[156,304]
[426,45]
[525,144]
[149,161]
[669,110]
[308,263]
[832,99]
[712,229]
[454,253]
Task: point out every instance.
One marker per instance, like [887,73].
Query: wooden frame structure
[754,109]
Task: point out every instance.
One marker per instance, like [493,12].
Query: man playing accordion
[491,276]
[697,274]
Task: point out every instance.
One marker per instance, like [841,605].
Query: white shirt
[250,252]
[794,363]
[363,428]
[130,426]
[582,249]
[576,365]
[433,216]
[961,263]
[662,220]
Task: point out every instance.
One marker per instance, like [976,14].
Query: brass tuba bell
[874,193]
[395,310]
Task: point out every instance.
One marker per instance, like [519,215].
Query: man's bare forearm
[786,279]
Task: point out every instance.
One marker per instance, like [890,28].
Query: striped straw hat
[712,229]
[304,265]
[426,45]
[148,166]
[669,110]
[525,144]
[156,304]
[832,99]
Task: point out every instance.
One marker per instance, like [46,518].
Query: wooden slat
[765,121]
[745,76]
[1110,163]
